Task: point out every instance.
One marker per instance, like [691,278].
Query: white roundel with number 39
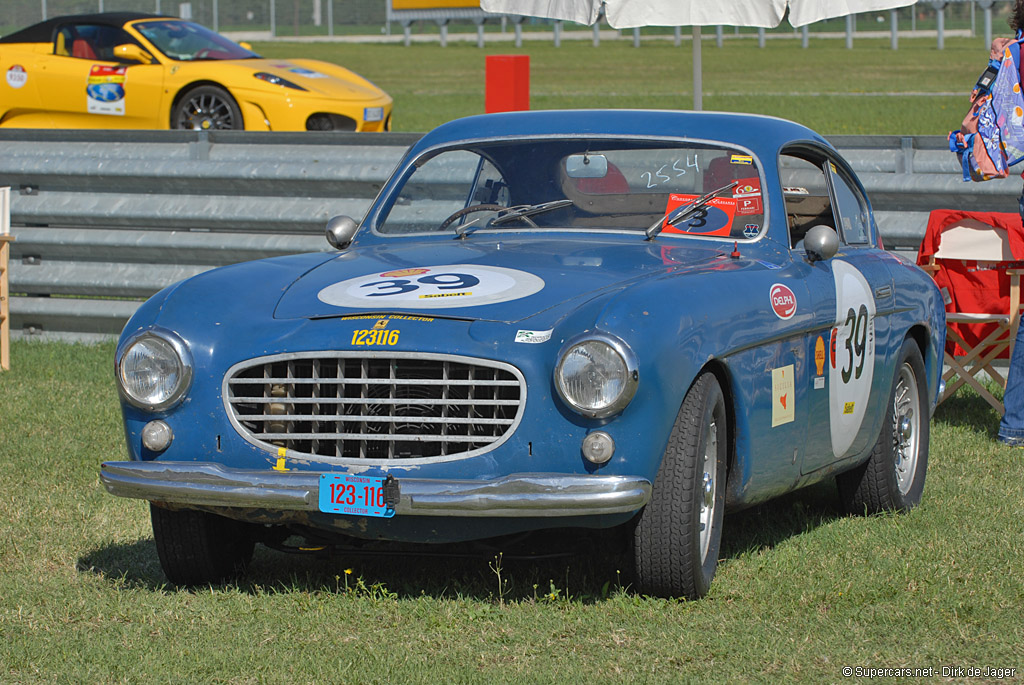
[851,355]
[433,287]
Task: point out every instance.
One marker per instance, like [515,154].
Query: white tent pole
[698,84]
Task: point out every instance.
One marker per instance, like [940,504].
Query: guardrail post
[200,149]
[905,160]
[5,294]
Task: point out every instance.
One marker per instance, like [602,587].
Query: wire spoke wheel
[892,479]
[906,432]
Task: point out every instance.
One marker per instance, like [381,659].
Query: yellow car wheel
[204,108]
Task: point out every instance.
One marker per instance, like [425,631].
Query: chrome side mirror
[340,231]
[821,243]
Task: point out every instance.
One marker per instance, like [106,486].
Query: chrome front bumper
[520,495]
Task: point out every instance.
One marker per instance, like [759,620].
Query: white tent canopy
[626,14]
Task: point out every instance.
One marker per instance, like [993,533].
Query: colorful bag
[991,137]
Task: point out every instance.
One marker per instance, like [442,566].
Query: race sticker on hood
[17,76]
[433,287]
[308,73]
[533,337]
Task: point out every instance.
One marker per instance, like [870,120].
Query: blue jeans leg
[1011,427]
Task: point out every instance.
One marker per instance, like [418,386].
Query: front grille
[361,406]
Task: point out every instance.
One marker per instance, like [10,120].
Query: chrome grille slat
[375,436]
[362,417]
[375,406]
[383,400]
[368,381]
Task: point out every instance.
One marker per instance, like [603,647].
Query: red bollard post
[508,83]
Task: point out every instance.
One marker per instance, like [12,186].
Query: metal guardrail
[106,218]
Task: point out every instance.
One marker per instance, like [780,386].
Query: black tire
[671,556]
[893,477]
[206,108]
[198,548]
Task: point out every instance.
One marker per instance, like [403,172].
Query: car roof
[43,31]
[763,134]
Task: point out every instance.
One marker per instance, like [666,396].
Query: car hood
[479,279]
[318,78]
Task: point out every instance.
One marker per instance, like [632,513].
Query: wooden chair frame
[965,369]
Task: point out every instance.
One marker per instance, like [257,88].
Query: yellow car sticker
[376,336]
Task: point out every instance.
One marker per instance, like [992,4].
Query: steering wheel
[487,207]
[469,210]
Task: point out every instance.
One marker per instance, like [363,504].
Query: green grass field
[802,591]
[916,90]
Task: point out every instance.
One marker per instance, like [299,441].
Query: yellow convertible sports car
[133,70]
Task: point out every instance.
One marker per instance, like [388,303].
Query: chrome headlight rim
[629,360]
[180,349]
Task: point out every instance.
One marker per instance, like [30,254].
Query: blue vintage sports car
[592,319]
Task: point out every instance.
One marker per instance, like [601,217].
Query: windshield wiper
[685,211]
[516,212]
[523,211]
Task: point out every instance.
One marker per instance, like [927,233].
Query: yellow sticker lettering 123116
[377,336]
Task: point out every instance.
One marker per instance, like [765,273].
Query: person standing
[1011,426]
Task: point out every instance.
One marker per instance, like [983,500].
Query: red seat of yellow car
[81,48]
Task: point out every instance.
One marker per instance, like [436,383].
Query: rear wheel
[893,477]
[198,548]
[678,533]
[206,108]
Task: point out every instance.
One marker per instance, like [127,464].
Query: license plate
[341,493]
[373,113]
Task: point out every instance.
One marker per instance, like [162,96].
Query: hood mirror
[821,243]
[340,231]
[586,166]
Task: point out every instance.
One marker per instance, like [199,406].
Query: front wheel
[678,533]
[206,108]
[198,548]
[892,479]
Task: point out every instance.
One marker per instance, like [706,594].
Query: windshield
[579,184]
[185,42]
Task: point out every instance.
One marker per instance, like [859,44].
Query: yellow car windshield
[184,41]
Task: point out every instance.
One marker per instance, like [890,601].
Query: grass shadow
[763,527]
[968,410]
[582,565]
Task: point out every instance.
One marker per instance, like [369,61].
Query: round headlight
[596,375]
[154,371]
